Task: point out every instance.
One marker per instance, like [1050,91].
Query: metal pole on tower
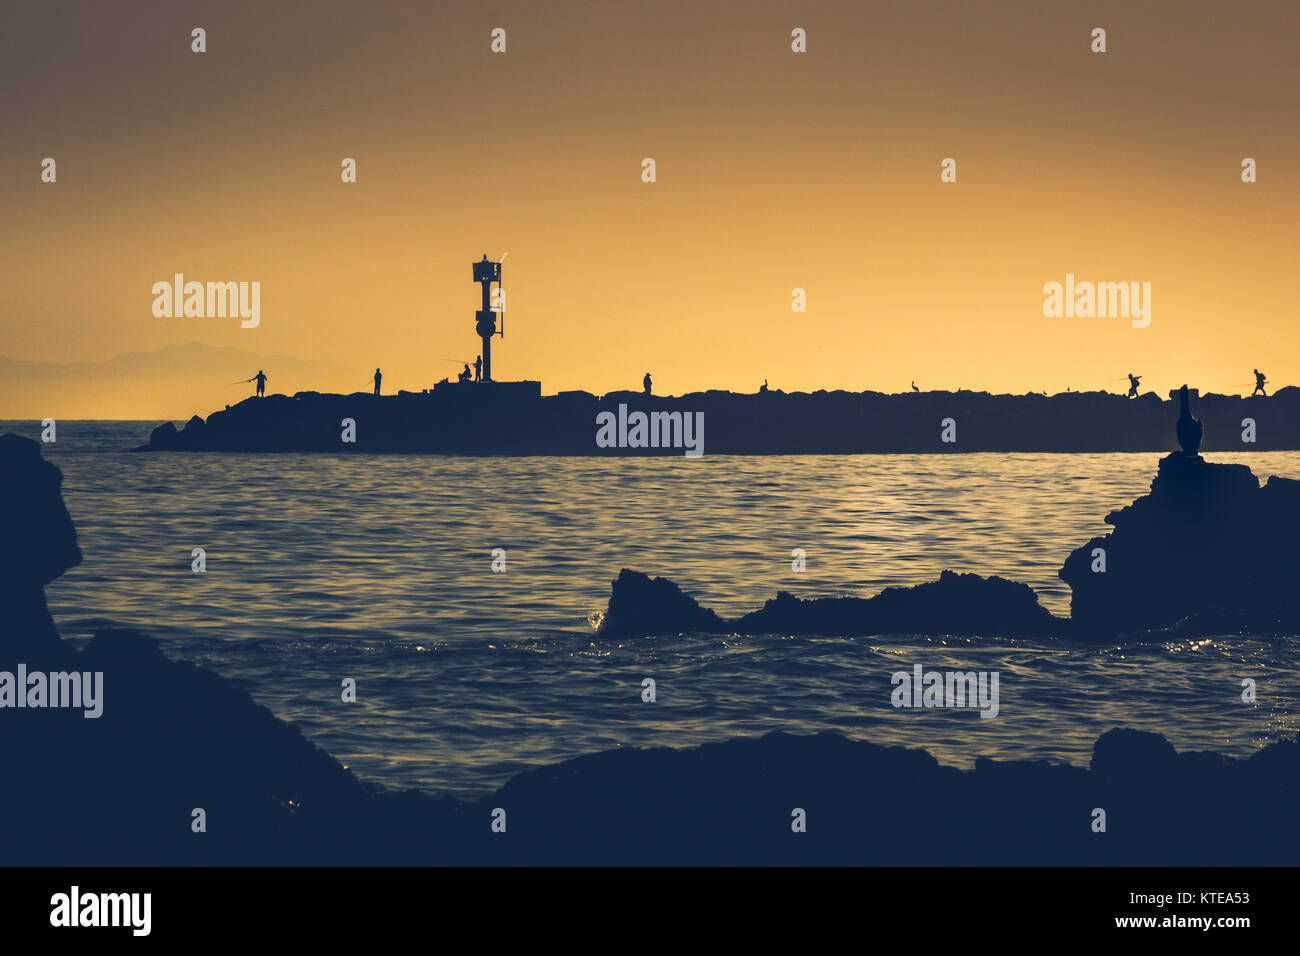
[486,272]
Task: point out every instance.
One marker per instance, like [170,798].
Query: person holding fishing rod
[260,378]
[465,375]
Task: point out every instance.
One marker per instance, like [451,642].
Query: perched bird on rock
[1189,429]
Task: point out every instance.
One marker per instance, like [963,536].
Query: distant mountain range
[172,383]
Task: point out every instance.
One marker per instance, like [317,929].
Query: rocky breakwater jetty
[513,418]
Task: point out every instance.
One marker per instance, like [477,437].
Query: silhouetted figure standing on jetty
[478,369]
[646,382]
[1188,429]
[1133,382]
[1259,384]
[260,379]
[379,377]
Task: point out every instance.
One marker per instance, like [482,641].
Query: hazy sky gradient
[775,170]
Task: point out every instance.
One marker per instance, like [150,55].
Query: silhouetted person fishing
[379,377]
[646,382]
[478,369]
[1133,382]
[466,375]
[1260,381]
[1188,429]
[260,379]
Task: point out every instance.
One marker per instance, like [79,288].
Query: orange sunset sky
[775,170]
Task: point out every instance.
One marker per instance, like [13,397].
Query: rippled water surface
[379,568]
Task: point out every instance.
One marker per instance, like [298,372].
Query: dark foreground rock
[121,790]
[37,544]
[172,738]
[500,418]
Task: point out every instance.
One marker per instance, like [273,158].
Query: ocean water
[379,568]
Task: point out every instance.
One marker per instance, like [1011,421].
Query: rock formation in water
[498,419]
[172,738]
[640,605]
[956,604]
[1207,552]
[1207,543]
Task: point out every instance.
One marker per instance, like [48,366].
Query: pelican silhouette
[914,388]
[1189,429]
